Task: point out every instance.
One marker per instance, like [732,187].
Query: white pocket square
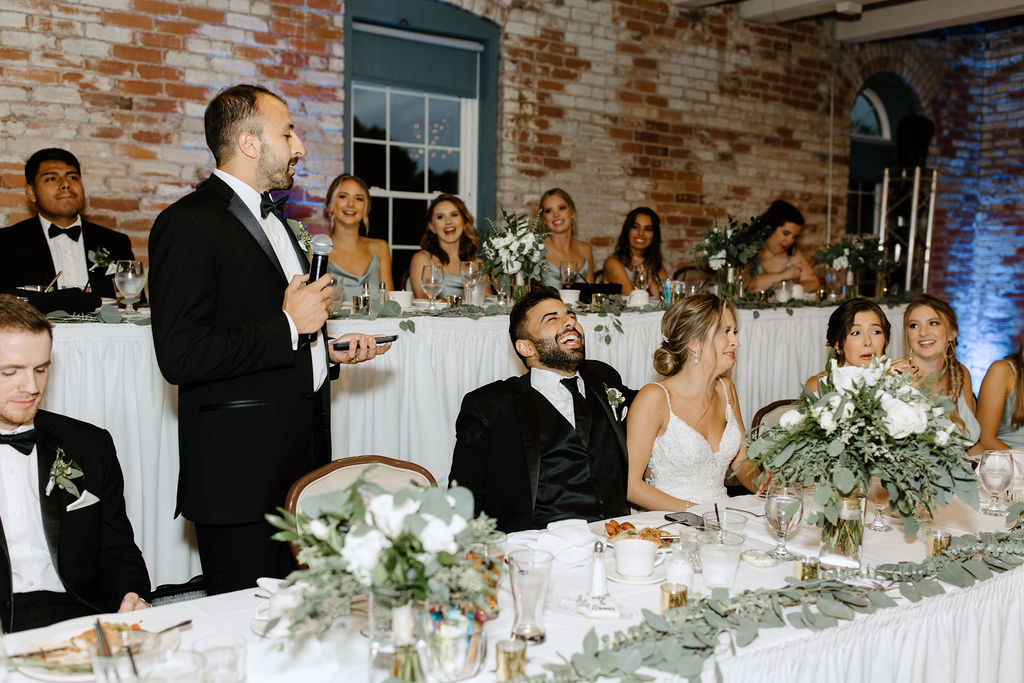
[83,501]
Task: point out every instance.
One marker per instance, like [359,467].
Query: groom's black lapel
[526,404]
[239,210]
[51,506]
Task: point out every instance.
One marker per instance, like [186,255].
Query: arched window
[868,120]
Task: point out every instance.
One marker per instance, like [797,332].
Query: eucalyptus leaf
[656,621]
[834,608]
[977,569]
[586,665]
[690,665]
[630,660]
[880,598]
[844,480]
[590,643]
[955,575]
[929,588]
[746,632]
[909,592]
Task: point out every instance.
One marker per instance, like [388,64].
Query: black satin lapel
[42,247]
[597,390]
[240,211]
[51,506]
[303,256]
[530,424]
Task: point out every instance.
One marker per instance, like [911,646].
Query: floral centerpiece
[732,249]
[415,547]
[855,254]
[513,253]
[866,422]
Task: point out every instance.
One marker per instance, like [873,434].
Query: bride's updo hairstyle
[687,322]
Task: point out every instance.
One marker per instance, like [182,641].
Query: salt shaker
[382,293]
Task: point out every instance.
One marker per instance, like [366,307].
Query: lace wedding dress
[682,463]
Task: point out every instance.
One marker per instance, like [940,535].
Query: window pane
[409,222]
[406,169]
[369,113]
[408,113]
[864,119]
[400,261]
[369,163]
[380,215]
[444,122]
[444,171]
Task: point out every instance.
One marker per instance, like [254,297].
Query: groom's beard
[554,356]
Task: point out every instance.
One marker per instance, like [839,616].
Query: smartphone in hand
[343,346]
[686,519]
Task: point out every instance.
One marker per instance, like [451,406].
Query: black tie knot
[74,232]
[22,441]
[268,205]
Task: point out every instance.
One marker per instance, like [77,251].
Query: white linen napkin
[570,541]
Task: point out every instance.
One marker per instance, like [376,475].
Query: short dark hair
[48,154]
[517,318]
[781,212]
[233,110]
[21,316]
[841,321]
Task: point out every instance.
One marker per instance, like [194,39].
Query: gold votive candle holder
[936,541]
[360,304]
[454,299]
[672,595]
[511,659]
[806,568]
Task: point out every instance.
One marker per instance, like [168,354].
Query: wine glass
[878,495]
[642,277]
[470,272]
[129,279]
[784,508]
[569,271]
[432,279]
[995,473]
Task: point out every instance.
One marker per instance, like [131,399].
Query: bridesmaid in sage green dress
[355,259]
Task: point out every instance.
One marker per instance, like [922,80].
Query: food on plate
[616,530]
[72,655]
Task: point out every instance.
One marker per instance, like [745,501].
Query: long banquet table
[402,405]
[968,634]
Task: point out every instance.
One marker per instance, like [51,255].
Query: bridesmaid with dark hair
[639,244]
[450,239]
[779,257]
[857,333]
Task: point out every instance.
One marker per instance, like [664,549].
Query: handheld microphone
[321,247]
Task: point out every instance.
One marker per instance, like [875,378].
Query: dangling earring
[696,357]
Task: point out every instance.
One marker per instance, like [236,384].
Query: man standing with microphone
[231,313]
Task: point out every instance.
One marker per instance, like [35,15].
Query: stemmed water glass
[470,272]
[784,510]
[130,278]
[642,277]
[995,472]
[569,271]
[432,279]
[878,496]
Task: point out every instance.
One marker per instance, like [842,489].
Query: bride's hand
[904,366]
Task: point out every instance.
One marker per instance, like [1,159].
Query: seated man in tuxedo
[63,555]
[56,240]
[550,444]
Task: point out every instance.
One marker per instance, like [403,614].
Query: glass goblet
[432,280]
[642,277]
[995,473]
[129,279]
[878,496]
[568,271]
[784,509]
[470,272]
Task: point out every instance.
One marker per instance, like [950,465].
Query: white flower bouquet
[868,422]
[859,252]
[734,245]
[515,247]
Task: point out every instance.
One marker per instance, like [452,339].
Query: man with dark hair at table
[231,307]
[550,444]
[68,551]
[58,239]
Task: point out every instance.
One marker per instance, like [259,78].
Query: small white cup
[639,297]
[635,557]
[798,291]
[569,296]
[403,298]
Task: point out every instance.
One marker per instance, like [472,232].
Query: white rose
[942,438]
[833,404]
[717,261]
[319,529]
[438,536]
[360,553]
[874,374]
[791,419]
[826,418]
[387,517]
[839,263]
[903,419]
[845,378]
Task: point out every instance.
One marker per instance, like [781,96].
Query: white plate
[657,576]
[59,635]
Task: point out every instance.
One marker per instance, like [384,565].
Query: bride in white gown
[684,432]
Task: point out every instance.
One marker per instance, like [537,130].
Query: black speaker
[913,136]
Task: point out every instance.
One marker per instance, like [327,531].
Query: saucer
[657,576]
[260,621]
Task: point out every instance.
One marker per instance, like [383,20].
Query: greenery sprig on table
[734,245]
[856,252]
[107,313]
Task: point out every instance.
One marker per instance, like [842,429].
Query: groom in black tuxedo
[61,555]
[230,308]
[58,238]
[550,444]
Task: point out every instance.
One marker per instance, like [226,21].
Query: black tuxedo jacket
[93,548]
[497,449]
[246,403]
[25,257]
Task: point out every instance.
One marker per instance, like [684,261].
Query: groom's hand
[307,306]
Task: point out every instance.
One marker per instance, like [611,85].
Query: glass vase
[520,288]
[394,643]
[840,542]
[454,642]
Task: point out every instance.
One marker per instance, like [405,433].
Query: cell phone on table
[343,346]
[686,519]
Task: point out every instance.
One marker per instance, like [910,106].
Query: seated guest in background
[779,258]
[558,213]
[857,332]
[57,239]
[450,239]
[64,555]
[930,328]
[547,445]
[356,259]
[672,424]
[1001,403]
[639,244]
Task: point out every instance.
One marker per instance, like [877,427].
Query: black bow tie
[73,232]
[22,441]
[268,205]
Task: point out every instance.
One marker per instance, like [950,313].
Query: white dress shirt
[68,256]
[280,241]
[31,565]
[550,386]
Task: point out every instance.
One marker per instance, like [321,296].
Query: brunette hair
[778,214]
[841,322]
[568,200]
[20,316]
[687,321]
[364,226]
[1016,361]
[49,154]
[517,317]
[652,254]
[950,364]
[232,111]
[469,243]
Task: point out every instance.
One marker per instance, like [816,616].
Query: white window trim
[883,119]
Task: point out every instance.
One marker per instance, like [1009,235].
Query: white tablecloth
[402,405]
[963,635]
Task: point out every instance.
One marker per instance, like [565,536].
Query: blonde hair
[689,320]
[950,365]
[559,192]
[364,224]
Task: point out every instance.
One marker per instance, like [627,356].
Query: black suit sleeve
[473,449]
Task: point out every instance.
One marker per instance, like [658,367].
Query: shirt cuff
[293,331]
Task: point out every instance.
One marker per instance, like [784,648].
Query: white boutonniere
[100,258]
[615,397]
[300,232]
[62,472]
